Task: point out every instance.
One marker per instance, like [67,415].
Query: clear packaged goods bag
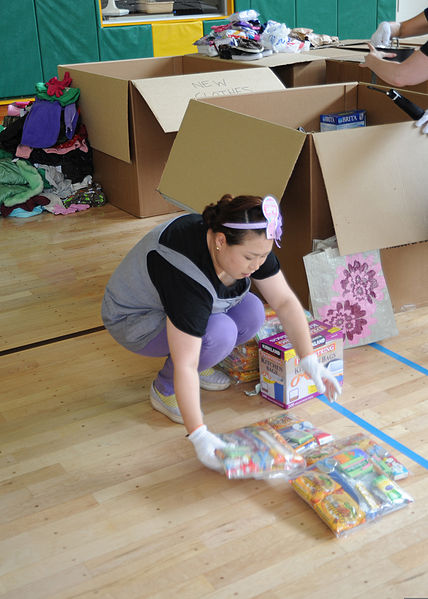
[349,488]
[274,447]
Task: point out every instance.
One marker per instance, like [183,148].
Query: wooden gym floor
[100,496]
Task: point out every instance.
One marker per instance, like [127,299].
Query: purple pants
[224,331]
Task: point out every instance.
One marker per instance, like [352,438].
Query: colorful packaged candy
[258,451]
[347,489]
[301,434]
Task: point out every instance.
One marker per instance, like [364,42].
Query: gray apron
[132,310]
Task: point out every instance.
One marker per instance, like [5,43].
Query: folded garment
[19,181]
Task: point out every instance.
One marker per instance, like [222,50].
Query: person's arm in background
[388,29]
[413,70]
[287,307]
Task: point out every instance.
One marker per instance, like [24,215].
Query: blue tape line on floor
[376,432]
[388,352]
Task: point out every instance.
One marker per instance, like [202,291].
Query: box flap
[283,58]
[376,181]
[103,103]
[212,138]
[168,97]
[342,53]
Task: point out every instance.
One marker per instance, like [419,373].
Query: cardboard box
[133,109]
[282,380]
[366,185]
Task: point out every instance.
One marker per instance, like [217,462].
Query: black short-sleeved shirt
[187,303]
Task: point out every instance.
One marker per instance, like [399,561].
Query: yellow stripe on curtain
[174,39]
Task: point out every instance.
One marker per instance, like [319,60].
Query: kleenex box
[282,379]
[343,120]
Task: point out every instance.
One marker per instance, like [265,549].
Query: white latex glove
[205,444]
[382,35]
[319,374]
[423,123]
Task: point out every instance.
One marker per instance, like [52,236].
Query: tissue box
[282,380]
[348,119]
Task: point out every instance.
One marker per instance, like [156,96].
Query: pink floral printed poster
[350,292]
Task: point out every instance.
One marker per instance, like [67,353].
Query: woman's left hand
[324,380]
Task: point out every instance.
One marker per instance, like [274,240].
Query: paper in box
[282,380]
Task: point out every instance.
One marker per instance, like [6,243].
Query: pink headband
[273,223]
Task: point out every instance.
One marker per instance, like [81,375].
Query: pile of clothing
[245,38]
[45,155]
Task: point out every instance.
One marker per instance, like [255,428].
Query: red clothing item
[56,88]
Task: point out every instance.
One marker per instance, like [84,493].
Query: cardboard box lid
[219,151]
[376,181]
[168,97]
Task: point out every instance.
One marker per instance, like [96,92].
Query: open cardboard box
[132,110]
[366,185]
[295,69]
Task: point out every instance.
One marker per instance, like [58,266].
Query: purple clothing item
[71,117]
[225,331]
[42,125]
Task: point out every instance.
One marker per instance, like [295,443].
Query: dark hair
[239,209]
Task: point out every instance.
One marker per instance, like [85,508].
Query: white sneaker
[166,404]
[213,380]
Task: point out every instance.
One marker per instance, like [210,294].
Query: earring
[217,248]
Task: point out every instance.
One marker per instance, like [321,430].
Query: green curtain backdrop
[121,43]
[67,33]
[21,66]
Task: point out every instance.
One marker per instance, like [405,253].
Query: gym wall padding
[174,39]
[67,33]
[21,66]
[208,24]
[283,11]
[323,19]
[356,20]
[386,10]
[121,43]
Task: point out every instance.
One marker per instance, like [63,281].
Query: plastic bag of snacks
[346,490]
[382,460]
[259,451]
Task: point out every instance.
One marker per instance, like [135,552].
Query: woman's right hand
[205,444]
[382,35]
